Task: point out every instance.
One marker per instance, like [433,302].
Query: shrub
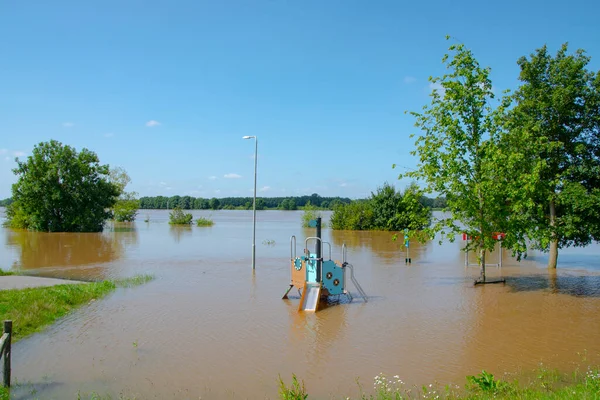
[310,212]
[178,217]
[204,222]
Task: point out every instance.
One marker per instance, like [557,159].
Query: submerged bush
[310,212]
[204,222]
[178,217]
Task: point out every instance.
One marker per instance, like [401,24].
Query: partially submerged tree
[127,205]
[458,152]
[555,131]
[61,190]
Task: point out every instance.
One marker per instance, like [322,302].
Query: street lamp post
[254,203]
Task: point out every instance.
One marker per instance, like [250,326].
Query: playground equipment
[497,236]
[316,277]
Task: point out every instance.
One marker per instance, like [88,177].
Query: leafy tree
[458,150]
[413,215]
[555,138]
[310,212]
[260,204]
[386,204]
[214,204]
[61,190]
[356,216]
[126,207]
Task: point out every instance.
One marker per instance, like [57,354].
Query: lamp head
[248,137]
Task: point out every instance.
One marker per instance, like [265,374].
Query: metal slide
[310,297]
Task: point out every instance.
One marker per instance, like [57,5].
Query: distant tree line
[6,202]
[262,203]
[232,203]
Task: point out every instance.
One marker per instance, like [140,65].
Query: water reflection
[180,231]
[553,282]
[81,253]
[381,243]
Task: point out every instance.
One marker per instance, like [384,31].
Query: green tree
[127,205]
[214,204]
[554,133]
[61,190]
[458,151]
[386,204]
[310,212]
[413,214]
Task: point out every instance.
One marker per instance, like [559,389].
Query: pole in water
[318,249]
[407,260]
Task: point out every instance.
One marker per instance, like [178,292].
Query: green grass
[546,384]
[4,395]
[5,273]
[204,222]
[31,310]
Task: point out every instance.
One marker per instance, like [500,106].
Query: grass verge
[31,310]
[5,273]
[547,384]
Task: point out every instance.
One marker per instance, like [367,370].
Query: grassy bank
[31,310]
[546,384]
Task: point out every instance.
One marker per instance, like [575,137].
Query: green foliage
[458,151]
[61,190]
[125,210]
[387,210]
[6,202]
[296,391]
[310,212]
[555,143]
[288,204]
[5,273]
[126,207]
[214,204]
[238,203]
[356,216]
[202,221]
[178,217]
[486,382]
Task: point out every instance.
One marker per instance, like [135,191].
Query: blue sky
[167,89]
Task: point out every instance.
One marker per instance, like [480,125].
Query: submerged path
[23,282]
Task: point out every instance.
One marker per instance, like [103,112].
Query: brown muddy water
[208,327]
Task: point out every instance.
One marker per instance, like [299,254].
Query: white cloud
[68,124]
[343,184]
[265,189]
[437,87]
[6,158]
[409,79]
[152,123]
[212,178]
[3,151]
[232,176]
[163,183]
[109,134]
[218,191]
[19,153]
[199,186]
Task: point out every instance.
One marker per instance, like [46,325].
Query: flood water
[209,327]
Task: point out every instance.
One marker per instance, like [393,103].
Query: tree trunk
[482,261]
[552,261]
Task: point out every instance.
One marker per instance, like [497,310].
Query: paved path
[22,282]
